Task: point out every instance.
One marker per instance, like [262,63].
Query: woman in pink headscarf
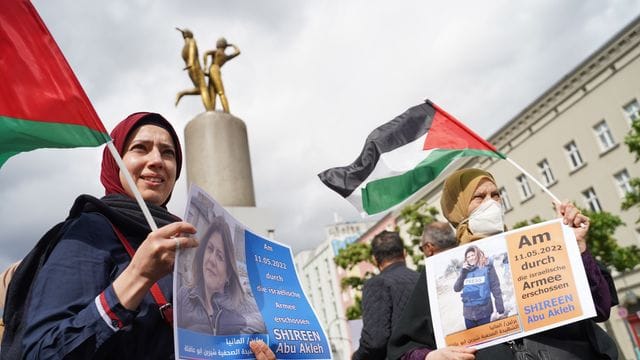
[103,290]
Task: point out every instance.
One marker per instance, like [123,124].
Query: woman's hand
[152,261]
[261,350]
[571,216]
[452,353]
[156,255]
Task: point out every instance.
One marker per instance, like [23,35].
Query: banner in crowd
[235,287]
[508,286]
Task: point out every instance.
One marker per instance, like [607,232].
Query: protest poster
[508,286]
[235,287]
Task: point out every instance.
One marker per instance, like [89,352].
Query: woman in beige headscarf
[471,202]
[463,192]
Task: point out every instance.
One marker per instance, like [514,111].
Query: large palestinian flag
[41,102]
[404,155]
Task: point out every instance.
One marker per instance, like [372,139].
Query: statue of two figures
[207,84]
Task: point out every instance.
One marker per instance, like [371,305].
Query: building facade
[321,279]
[571,139]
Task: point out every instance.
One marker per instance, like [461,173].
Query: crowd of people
[94,290]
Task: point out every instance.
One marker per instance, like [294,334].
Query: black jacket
[579,340]
[383,299]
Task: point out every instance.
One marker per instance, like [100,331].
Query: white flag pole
[132,186]
[544,188]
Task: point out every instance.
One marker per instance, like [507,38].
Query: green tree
[604,246]
[632,198]
[416,216]
[534,220]
[347,258]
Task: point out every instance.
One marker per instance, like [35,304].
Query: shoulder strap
[165,307]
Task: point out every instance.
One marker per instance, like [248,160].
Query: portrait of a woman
[478,281]
[216,303]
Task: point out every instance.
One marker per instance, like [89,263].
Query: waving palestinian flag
[41,102]
[402,156]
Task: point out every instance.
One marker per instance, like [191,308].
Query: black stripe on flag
[398,132]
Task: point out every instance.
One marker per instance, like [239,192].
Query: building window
[604,135]
[632,110]
[525,189]
[545,171]
[622,180]
[575,160]
[504,199]
[591,200]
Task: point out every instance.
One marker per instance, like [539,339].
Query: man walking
[384,296]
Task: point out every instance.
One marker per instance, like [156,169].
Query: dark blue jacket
[74,313]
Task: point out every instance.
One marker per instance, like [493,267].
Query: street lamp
[339,338]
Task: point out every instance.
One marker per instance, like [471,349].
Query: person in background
[471,203]
[436,237]
[384,296]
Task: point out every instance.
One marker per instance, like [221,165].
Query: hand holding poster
[508,286]
[236,287]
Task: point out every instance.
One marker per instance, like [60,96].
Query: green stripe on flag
[17,135]
[382,194]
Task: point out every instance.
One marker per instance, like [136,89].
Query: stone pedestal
[217,158]
[259,220]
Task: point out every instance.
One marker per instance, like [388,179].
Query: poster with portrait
[235,287]
[508,286]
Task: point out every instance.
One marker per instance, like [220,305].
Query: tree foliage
[417,216]
[534,220]
[352,255]
[604,246]
[632,198]
[347,258]
[354,311]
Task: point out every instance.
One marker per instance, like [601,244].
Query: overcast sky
[314,78]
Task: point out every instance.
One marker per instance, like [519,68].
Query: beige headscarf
[481,258]
[456,195]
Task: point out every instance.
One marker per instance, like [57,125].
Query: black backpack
[19,290]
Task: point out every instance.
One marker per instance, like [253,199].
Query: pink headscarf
[110,174]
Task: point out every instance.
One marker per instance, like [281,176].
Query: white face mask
[487,219]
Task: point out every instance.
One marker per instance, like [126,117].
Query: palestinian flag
[41,102]
[403,155]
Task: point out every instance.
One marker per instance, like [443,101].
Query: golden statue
[197,75]
[207,90]
[219,57]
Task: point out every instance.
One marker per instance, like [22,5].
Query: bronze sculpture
[197,75]
[219,57]
[206,89]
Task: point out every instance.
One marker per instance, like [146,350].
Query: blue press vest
[476,290]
